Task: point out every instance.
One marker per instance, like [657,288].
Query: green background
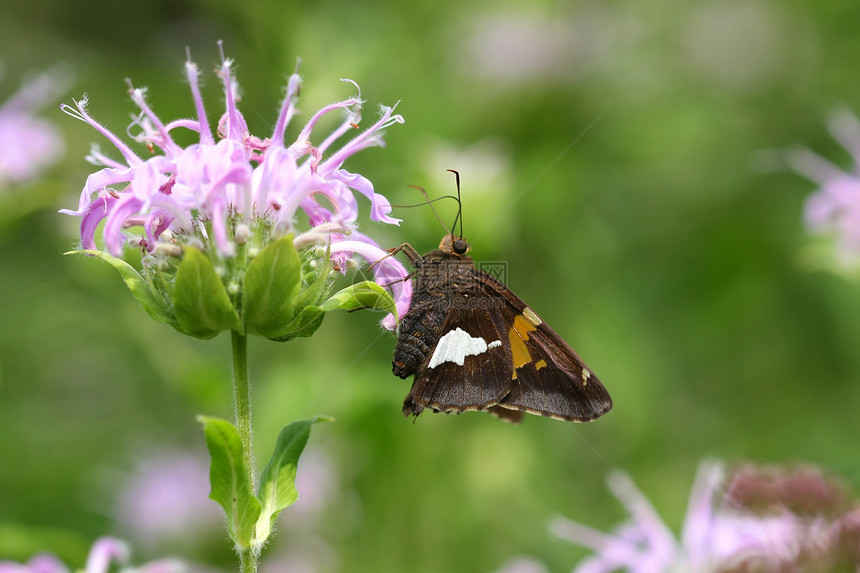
[617,156]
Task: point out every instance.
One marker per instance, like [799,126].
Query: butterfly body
[472,344]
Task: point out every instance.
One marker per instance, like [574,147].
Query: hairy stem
[242,412]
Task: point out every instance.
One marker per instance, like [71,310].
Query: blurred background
[618,156]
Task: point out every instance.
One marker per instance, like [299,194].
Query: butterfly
[472,344]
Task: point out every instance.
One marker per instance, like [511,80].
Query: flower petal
[388,272]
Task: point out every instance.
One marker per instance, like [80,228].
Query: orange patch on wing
[517,336]
[540,364]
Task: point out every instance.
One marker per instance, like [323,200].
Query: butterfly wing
[546,376]
[468,369]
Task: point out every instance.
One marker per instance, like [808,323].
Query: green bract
[200,301]
[279,293]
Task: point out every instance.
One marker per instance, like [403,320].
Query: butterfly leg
[407,250]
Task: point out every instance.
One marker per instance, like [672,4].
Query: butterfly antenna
[459,206]
[430,202]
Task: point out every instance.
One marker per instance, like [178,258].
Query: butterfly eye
[460,247]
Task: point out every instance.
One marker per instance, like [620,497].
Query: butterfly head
[454,245]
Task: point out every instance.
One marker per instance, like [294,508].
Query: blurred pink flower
[105,552]
[730,535]
[520,47]
[835,206]
[165,503]
[42,563]
[28,144]
[166,498]
[522,565]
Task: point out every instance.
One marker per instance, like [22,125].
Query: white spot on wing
[494,344]
[456,345]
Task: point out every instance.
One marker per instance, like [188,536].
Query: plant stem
[248,561]
[242,398]
[242,413]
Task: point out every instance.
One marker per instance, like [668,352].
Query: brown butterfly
[472,344]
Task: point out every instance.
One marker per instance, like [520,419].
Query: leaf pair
[249,516]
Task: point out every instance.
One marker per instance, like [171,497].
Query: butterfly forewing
[483,378]
[550,379]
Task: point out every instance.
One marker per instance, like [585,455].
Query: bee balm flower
[769,520]
[229,197]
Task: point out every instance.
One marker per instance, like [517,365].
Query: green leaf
[271,288]
[309,316]
[278,481]
[154,305]
[202,304]
[366,294]
[305,324]
[228,477]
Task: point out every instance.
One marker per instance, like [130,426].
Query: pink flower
[239,177]
[166,499]
[733,534]
[42,563]
[28,144]
[231,187]
[104,552]
[835,206]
